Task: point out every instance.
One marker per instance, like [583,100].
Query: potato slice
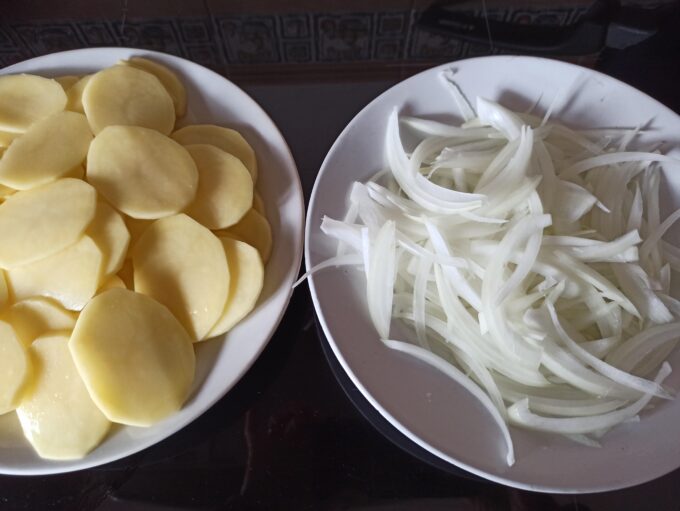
[77,172]
[58,417]
[40,222]
[136,228]
[140,172]
[4,292]
[25,99]
[109,232]
[75,95]
[182,264]
[127,96]
[258,204]
[126,274]
[7,137]
[113,282]
[134,357]
[226,139]
[225,188]
[11,435]
[15,368]
[67,81]
[167,77]
[246,277]
[50,148]
[70,276]
[34,317]
[255,230]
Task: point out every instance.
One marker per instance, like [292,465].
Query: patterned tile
[389,49]
[555,17]
[430,46]
[297,51]
[97,33]
[206,55]
[392,24]
[195,30]
[48,37]
[295,26]
[344,37]
[249,39]
[156,34]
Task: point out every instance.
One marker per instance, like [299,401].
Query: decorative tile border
[240,41]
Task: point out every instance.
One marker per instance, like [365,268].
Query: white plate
[223,361]
[426,406]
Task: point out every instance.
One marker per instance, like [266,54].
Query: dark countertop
[287,436]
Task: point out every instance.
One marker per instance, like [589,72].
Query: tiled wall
[253,47]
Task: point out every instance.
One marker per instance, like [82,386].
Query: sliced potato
[4,292]
[136,228]
[70,276]
[15,368]
[127,96]
[140,172]
[167,77]
[109,232]
[50,148]
[246,277]
[34,317]
[11,435]
[114,281]
[258,204]
[58,417]
[182,264]
[6,138]
[226,139]
[255,230]
[77,172]
[39,222]
[67,81]
[126,274]
[25,99]
[135,358]
[225,188]
[75,95]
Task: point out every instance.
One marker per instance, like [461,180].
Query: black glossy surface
[287,436]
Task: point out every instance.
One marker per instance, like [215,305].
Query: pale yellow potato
[75,95]
[135,358]
[113,282]
[167,77]
[36,316]
[25,99]
[58,417]
[225,188]
[136,228]
[182,264]
[6,138]
[15,368]
[258,204]
[141,172]
[71,276]
[109,232]
[39,222]
[4,292]
[50,148]
[246,277]
[11,435]
[77,172]
[126,273]
[227,139]
[255,230]
[127,96]
[67,81]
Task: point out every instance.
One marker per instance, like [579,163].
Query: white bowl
[223,361]
[426,406]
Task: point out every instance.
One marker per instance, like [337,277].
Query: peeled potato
[140,172]
[75,95]
[254,230]
[182,264]
[70,276]
[169,80]
[226,139]
[11,435]
[258,204]
[126,274]
[225,188]
[127,96]
[4,292]
[15,368]
[25,99]
[39,222]
[6,138]
[136,228]
[134,357]
[77,172]
[58,417]
[67,81]
[50,148]
[36,316]
[109,232]
[114,281]
[246,277]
